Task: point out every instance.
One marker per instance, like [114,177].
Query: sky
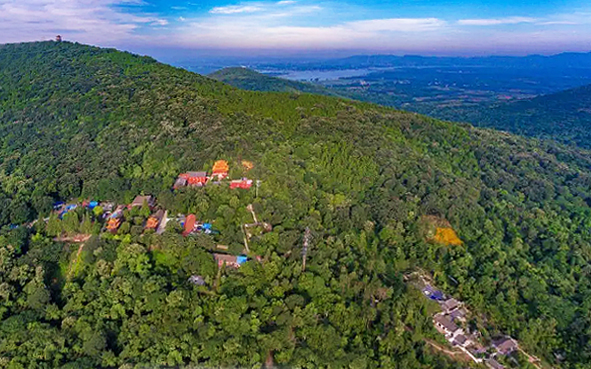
[176,29]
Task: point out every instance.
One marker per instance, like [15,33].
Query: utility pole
[305,248]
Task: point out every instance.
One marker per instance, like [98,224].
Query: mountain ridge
[248,79]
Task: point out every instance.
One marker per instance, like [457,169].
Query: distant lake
[317,75]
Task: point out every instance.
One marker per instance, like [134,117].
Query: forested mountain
[78,122]
[564,116]
[251,80]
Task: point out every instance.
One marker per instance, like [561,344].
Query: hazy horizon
[305,28]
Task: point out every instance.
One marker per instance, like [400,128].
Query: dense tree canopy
[82,122]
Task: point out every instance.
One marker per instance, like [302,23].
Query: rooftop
[450,304]
[197,174]
[139,200]
[446,323]
[505,345]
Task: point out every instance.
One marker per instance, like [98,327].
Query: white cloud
[554,23]
[397,25]
[269,31]
[496,21]
[89,21]
[235,9]
[286,2]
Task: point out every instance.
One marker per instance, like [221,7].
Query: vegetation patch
[447,236]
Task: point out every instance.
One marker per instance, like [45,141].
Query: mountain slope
[89,123]
[248,79]
[564,116]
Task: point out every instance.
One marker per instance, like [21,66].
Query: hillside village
[452,322]
[144,212]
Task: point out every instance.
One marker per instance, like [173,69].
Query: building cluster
[61,208]
[450,321]
[114,218]
[114,215]
[219,172]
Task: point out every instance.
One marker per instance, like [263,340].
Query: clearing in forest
[440,231]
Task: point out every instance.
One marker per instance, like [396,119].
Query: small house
[462,341]
[194,178]
[458,315]
[197,280]
[107,206]
[230,260]
[450,305]
[154,220]
[433,294]
[113,224]
[248,165]
[140,200]
[243,183]
[180,182]
[220,169]
[445,326]
[505,345]
[189,225]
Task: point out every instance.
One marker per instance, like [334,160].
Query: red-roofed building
[189,224]
[241,183]
[220,169]
[194,178]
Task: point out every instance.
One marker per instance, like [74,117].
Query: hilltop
[248,79]
[355,182]
[563,116]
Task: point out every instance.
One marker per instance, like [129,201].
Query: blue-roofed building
[433,294]
[241,259]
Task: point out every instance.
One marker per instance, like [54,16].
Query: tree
[54,226]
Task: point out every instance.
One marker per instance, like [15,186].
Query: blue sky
[430,27]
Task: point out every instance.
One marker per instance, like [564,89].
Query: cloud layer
[90,21]
[287,25]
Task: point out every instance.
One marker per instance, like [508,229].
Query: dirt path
[532,359]
[454,355]
[75,239]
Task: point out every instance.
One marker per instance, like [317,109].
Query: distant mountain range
[563,60]
[248,79]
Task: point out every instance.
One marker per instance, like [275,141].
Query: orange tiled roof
[152,223]
[113,223]
[220,166]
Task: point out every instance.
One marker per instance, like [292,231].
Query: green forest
[563,116]
[83,123]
